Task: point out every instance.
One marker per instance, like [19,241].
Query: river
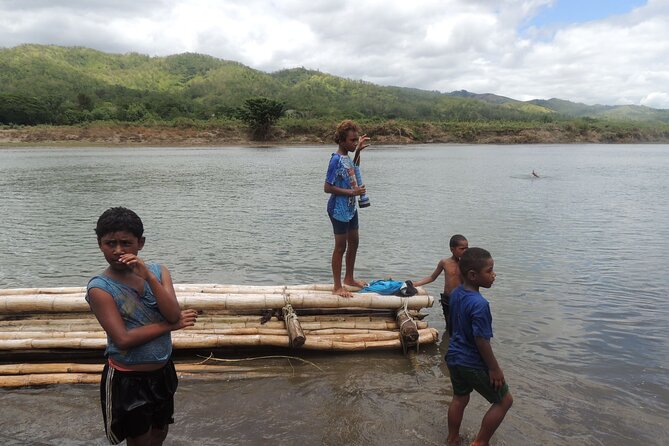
[579,306]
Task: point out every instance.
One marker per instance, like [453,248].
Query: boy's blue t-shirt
[340,169]
[470,317]
[136,310]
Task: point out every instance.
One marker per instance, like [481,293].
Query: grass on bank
[390,130]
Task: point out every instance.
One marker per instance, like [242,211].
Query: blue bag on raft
[386,287]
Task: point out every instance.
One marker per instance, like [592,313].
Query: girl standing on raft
[341,184]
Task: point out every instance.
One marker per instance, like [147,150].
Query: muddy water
[579,305]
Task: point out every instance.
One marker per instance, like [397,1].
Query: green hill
[70,85]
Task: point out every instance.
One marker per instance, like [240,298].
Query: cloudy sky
[590,51]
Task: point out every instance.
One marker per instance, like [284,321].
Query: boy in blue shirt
[136,305]
[470,359]
[343,188]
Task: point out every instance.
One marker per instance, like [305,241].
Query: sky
[609,52]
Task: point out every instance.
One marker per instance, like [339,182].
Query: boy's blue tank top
[136,311]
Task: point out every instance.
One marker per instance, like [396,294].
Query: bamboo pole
[29,369]
[238,376]
[34,330]
[189,371]
[193,333]
[330,331]
[4,335]
[199,288]
[356,337]
[205,316]
[213,341]
[28,303]
[24,291]
[47,368]
[48,379]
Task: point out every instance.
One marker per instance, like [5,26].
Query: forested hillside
[42,84]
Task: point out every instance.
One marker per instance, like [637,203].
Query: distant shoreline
[393,133]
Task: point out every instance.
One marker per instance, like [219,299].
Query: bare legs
[153,437]
[491,420]
[345,243]
[455,413]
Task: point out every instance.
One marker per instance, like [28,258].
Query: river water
[580,308]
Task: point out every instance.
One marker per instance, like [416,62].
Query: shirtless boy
[451,270]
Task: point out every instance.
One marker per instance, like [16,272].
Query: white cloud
[445,45]
[656,99]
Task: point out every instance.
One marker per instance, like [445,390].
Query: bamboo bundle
[57,319]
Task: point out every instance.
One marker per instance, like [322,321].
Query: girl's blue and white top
[339,173]
[136,310]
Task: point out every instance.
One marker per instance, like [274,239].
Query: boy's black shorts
[466,379]
[133,402]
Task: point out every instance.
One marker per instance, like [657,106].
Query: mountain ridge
[78,84]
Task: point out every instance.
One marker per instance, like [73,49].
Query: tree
[84,101]
[23,110]
[260,114]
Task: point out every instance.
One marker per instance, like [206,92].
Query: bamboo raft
[43,323]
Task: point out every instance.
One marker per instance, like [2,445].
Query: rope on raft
[405,310]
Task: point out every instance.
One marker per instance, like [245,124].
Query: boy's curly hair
[343,128]
[119,219]
[474,259]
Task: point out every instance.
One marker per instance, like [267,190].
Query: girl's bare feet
[356,283]
[343,292]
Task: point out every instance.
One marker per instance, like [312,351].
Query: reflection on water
[579,305]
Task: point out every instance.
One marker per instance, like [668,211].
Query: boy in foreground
[136,306]
[458,245]
[341,184]
[470,359]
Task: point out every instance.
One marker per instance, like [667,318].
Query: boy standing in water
[342,186]
[470,359]
[136,305]
[451,270]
